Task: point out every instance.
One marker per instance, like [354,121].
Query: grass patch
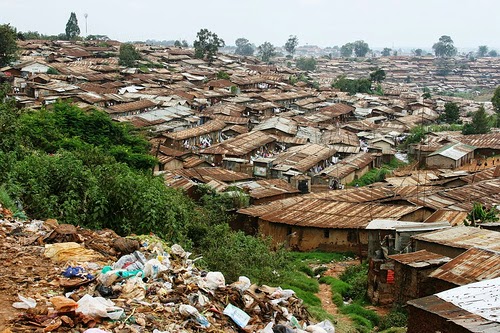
[361,323]
[308,297]
[320,270]
[318,313]
[398,317]
[357,277]
[337,286]
[395,330]
[357,309]
[377,175]
[320,257]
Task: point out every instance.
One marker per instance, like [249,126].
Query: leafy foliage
[128,55]
[357,277]
[306,64]
[353,86]
[266,51]
[451,113]
[398,317]
[291,44]
[378,75]
[8,45]
[479,214]
[357,309]
[243,47]
[346,50]
[444,47]
[482,51]
[361,48]
[72,28]
[386,52]
[495,100]
[480,123]
[207,44]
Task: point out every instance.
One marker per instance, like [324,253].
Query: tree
[291,44]
[493,53]
[266,51]
[444,47]
[8,46]
[207,44]
[451,113]
[482,50]
[418,52]
[480,214]
[243,47]
[128,55]
[480,123]
[386,52]
[361,48]
[177,43]
[72,29]
[378,75]
[352,86]
[495,100]
[306,64]
[346,50]
[426,93]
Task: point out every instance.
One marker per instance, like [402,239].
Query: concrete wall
[411,283]
[438,161]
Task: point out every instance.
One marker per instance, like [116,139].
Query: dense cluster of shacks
[294,150]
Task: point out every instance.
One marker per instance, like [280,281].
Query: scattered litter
[26,303]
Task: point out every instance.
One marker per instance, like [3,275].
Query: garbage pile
[101,282]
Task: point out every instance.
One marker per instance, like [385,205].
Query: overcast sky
[381,23]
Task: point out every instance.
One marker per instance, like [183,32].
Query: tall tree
[361,48]
[128,55]
[386,52]
[243,47]
[207,44]
[451,113]
[493,53]
[444,47]
[306,64]
[266,51]
[482,50]
[480,123]
[291,44]
[72,28]
[418,52]
[346,50]
[8,46]
[495,100]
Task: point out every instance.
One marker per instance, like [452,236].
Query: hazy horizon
[385,23]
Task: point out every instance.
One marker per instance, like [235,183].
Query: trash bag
[134,288]
[77,271]
[26,303]
[242,284]
[131,262]
[326,325]
[70,252]
[212,281]
[153,268]
[282,329]
[98,307]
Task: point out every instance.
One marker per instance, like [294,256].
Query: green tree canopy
[480,123]
[493,53]
[72,28]
[378,75]
[243,47]
[353,86]
[346,50]
[495,100]
[361,48]
[418,52]
[482,51]
[306,64]
[451,113]
[207,45]
[266,51]
[128,55]
[291,44]
[8,45]
[444,47]
[386,52]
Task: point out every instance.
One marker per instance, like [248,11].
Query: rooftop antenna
[86,15]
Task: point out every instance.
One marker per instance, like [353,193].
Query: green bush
[337,286]
[308,297]
[357,277]
[306,269]
[357,309]
[398,317]
[319,270]
[300,280]
[361,323]
[338,300]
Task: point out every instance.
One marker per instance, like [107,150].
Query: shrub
[362,324]
[337,300]
[308,297]
[357,309]
[357,277]
[398,317]
[337,286]
[319,270]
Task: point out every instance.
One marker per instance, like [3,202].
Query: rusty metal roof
[268,188]
[454,217]
[260,210]
[208,127]
[450,312]
[332,214]
[420,259]
[463,238]
[491,140]
[471,266]
[132,106]
[303,157]
[241,144]
[206,174]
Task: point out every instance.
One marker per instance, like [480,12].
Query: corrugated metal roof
[471,266]
[420,259]
[260,210]
[463,238]
[209,127]
[454,217]
[472,322]
[268,188]
[241,144]
[207,174]
[303,157]
[455,151]
[331,214]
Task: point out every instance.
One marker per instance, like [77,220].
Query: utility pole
[86,32]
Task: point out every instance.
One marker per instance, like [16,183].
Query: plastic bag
[153,268]
[98,307]
[191,311]
[131,262]
[63,304]
[242,284]
[212,281]
[26,303]
[134,288]
[326,325]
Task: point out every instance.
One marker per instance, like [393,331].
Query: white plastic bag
[213,281]
[242,284]
[326,325]
[98,307]
[153,267]
[26,303]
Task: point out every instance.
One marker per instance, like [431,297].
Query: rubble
[129,285]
